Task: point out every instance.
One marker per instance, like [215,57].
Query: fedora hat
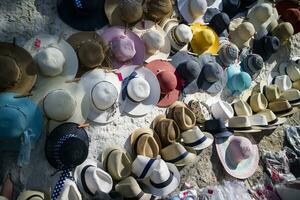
[282,108]
[293,96]
[252,64]
[282,81]
[219,23]
[217,128]
[84,15]
[140,90]
[196,139]
[176,153]
[18,72]
[201,110]
[103,89]
[271,92]
[143,166]
[283,31]
[164,179]
[126,48]
[258,102]
[130,189]
[241,124]
[144,141]
[239,83]
[123,12]
[238,156]
[228,54]
[260,122]
[271,117]
[90,178]
[291,69]
[117,162]
[158,10]
[169,81]
[31,195]
[69,191]
[222,110]
[167,130]
[67,146]
[242,108]
[241,33]
[266,46]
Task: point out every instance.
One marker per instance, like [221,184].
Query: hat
[69,191]
[130,189]
[180,35]
[126,48]
[266,46]
[271,92]
[90,178]
[283,82]
[258,102]
[103,89]
[238,156]
[296,84]
[144,141]
[122,12]
[242,108]
[291,69]
[201,110]
[117,162]
[260,122]
[271,117]
[241,124]
[31,195]
[222,110]
[18,72]
[217,128]
[84,15]
[169,81]
[283,31]
[197,139]
[292,95]
[143,166]
[140,90]
[239,83]
[228,54]
[67,146]
[164,179]
[231,7]
[219,23]
[246,4]
[241,34]
[158,10]
[176,153]
[282,108]
[292,15]
[252,64]
[205,39]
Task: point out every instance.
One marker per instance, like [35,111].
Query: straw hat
[142,166]
[201,111]
[271,117]
[241,33]
[296,84]
[158,10]
[217,128]
[252,64]
[291,69]
[266,46]
[260,122]
[293,96]
[258,102]
[222,110]
[197,139]
[271,92]
[242,108]
[228,54]
[283,82]
[176,153]
[283,31]
[69,191]
[144,141]
[31,195]
[241,124]
[282,108]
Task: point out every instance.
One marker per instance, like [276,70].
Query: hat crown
[222,110]
[168,131]
[271,44]
[279,106]
[128,187]
[10,72]
[153,40]
[242,108]
[271,92]
[131,10]
[201,111]
[283,31]
[147,145]
[258,120]
[91,54]
[258,102]
[138,89]
[292,15]
[261,13]
[212,72]
[291,94]
[254,62]
[245,31]
[192,135]
[189,70]
[241,81]
[214,124]
[161,173]
[167,81]
[104,95]
[123,48]
[197,8]
[158,9]
[283,82]
[184,117]
[220,22]
[270,116]
[97,179]
[184,33]
[239,121]
[118,164]
[240,149]
[206,38]
[229,52]
[139,165]
[293,71]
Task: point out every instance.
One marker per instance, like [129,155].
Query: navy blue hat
[217,128]
[231,7]
[247,4]
[266,46]
[219,23]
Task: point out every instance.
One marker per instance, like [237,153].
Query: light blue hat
[21,124]
[237,81]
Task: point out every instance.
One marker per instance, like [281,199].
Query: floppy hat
[140,90]
[144,141]
[158,10]
[176,153]
[156,40]
[18,72]
[122,12]
[201,111]
[291,69]
[84,15]
[242,108]
[217,128]
[258,102]
[241,33]
[197,139]
[271,92]
[282,108]
[90,178]
[222,110]
[143,166]
[67,146]
[283,31]
[271,117]
[238,156]
[169,81]
[293,96]
[31,195]
[252,64]
[125,46]
[117,162]
[241,124]
[69,191]
[283,82]
[266,46]
[239,82]
[228,54]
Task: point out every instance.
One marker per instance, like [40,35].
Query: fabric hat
[252,64]
[82,15]
[271,117]
[260,122]
[144,141]
[219,23]
[201,110]
[283,6]
[231,7]
[241,34]
[258,102]
[222,110]
[241,124]
[228,54]
[140,90]
[169,81]
[283,31]
[239,83]
[266,46]
[217,128]
[67,146]
[117,162]
[18,72]
[242,108]
[158,10]
[120,13]
[180,35]
[197,139]
[271,92]
[126,48]
[282,108]
[143,166]
[283,82]
[176,153]
[31,195]
[238,156]
[291,69]
[292,95]
[292,15]
[90,178]
[69,191]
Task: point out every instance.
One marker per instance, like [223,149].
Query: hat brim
[257,130]
[293,111]
[168,24]
[206,143]
[112,11]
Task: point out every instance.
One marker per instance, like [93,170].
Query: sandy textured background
[25,18]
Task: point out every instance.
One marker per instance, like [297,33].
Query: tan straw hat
[196,139]
[293,96]
[258,102]
[177,154]
[241,124]
[271,92]
[242,108]
[272,118]
[282,108]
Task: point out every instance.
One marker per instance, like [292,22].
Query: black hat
[209,14]
[217,128]
[266,46]
[231,7]
[67,146]
[247,4]
[219,23]
[84,15]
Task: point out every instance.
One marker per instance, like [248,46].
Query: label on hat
[119,74]
[37,43]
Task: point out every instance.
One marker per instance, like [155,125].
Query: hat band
[175,38]
[146,169]
[140,195]
[125,84]
[200,141]
[283,111]
[295,101]
[83,181]
[163,184]
[239,128]
[273,121]
[182,156]
[106,164]
[35,195]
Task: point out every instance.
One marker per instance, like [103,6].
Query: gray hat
[228,54]
[252,64]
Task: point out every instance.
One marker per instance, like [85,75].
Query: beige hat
[241,124]
[31,195]
[222,110]
[296,84]
[258,102]
[177,154]
[260,122]
[242,108]
[271,92]
[291,69]
[158,10]
[293,96]
[143,166]
[283,31]
[282,108]
[241,33]
[197,139]
[282,81]
[271,117]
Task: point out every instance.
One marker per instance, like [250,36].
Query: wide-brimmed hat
[83,15]
[143,166]
[222,110]
[90,178]
[266,46]
[67,146]
[18,72]
[241,33]
[196,139]
[241,124]
[117,162]
[239,82]
[140,90]
[291,69]
[252,64]
[258,102]
[228,54]
[238,156]
[201,110]
[31,195]
[293,96]
[144,141]
[271,117]
[158,10]
[69,191]
[177,154]
[169,81]
[217,128]
[126,48]
[271,92]
[282,81]
[282,108]
[283,32]
[242,108]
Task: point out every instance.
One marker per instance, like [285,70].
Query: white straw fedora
[241,124]
[197,139]
[222,110]
[282,81]
[143,166]
[69,191]
[293,96]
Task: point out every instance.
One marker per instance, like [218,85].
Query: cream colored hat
[242,108]
[291,69]
[143,166]
[260,122]
[293,96]
[283,82]
[241,125]
[258,102]
[282,108]
[197,139]
[31,195]
[271,92]
[241,33]
[177,154]
[222,110]
[271,118]
[69,191]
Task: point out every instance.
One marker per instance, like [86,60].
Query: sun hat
[271,92]
[31,195]
[201,110]
[169,81]
[84,15]
[125,46]
[242,108]
[241,124]
[258,102]
[69,191]
[197,139]
[67,146]
[291,69]
[228,54]
[158,10]
[164,179]
[18,72]
[122,12]
[144,141]
[217,128]
[283,82]
[241,33]
[140,90]
[266,46]
[260,122]
[271,117]
[283,31]
[283,6]
[222,110]
[219,23]
[282,108]
[143,166]
[231,7]
[238,156]
[176,153]
[293,96]
[239,83]
[117,162]
[252,64]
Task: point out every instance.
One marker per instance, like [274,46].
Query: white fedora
[282,81]
[69,191]
[222,110]
[197,139]
[143,166]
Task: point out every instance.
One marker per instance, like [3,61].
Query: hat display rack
[129,56]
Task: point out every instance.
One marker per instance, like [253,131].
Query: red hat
[292,15]
[282,6]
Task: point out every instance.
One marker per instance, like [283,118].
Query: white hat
[143,166]
[140,90]
[260,122]
[291,69]
[283,82]
[90,178]
[69,191]
[222,110]
[197,139]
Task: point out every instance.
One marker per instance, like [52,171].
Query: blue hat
[252,64]
[239,83]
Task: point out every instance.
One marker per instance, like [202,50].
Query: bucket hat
[282,108]
[18,72]
[176,153]
[197,139]
[241,33]
[126,48]
[143,166]
[241,124]
[31,195]
[158,10]
[242,108]
[82,15]
[239,83]
[228,54]
[252,64]
[140,90]
[291,69]
[283,32]
[258,102]
[217,128]
[69,191]
[266,46]
[293,96]
[272,119]
[238,156]
[222,110]
[67,146]
[201,111]
[271,92]
[283,82]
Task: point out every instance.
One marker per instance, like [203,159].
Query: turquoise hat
[237,81]
[21,124]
